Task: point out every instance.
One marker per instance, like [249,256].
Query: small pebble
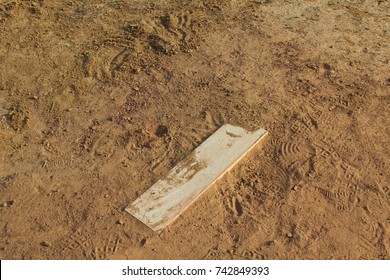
[120,222]
[8,203]
[46,244]
[289,235]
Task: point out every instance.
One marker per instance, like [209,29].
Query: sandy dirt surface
[100,99]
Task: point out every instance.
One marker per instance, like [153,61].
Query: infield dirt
[100,99]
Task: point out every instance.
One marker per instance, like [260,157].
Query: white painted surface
[169,197]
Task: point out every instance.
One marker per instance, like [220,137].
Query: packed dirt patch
[100,99]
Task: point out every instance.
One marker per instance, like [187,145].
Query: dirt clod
[161,131]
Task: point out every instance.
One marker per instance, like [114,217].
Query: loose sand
[100,99]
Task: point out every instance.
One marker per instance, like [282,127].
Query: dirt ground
[100,99]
